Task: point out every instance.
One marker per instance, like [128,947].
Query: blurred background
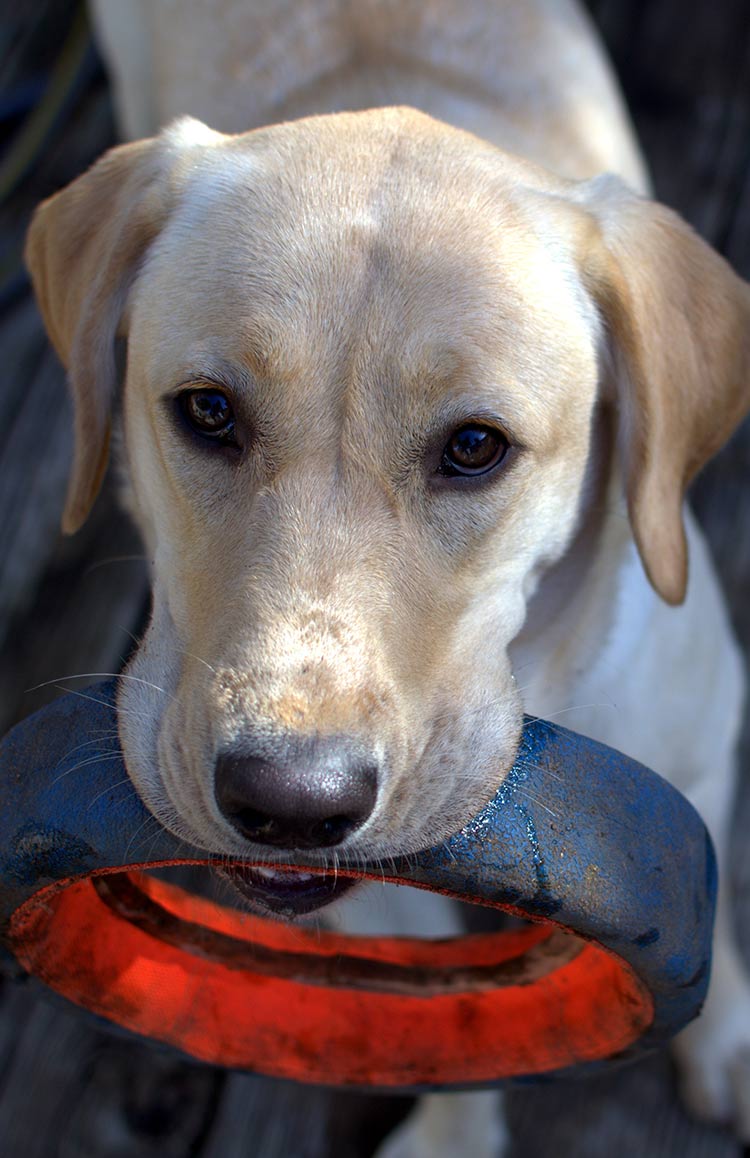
[69,606]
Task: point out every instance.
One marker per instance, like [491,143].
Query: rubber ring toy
[611,866]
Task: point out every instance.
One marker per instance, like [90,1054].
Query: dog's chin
[285,892]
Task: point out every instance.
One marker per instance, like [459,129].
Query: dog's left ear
[679,326]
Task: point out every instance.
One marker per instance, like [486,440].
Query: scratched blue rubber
[577,833]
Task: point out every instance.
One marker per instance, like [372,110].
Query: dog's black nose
[309,794]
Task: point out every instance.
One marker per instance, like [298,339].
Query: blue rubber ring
[577,834]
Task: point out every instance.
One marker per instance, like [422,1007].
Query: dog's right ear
[83,251]
[678,322]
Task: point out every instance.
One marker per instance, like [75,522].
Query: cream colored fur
[361,284]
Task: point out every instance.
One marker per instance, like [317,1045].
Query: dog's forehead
[310,259]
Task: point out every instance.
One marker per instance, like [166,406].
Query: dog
[416,380]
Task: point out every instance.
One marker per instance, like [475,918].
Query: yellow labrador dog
[416,380]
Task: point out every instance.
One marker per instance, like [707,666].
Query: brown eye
[209,413]
[473,449]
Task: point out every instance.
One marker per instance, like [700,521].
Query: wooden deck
[68,1090]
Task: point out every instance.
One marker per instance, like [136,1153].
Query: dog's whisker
[532,719]
[100,737]
[131,634]
[450,852]
[524,765]
[563,711]
[104,791]
[535,800]
[580,708]
[85,675]
[92,699]
[113,559]
[154,839]
[205,662]
[87,763]
[149,820]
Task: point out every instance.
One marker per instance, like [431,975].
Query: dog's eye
[473,449]
[209,413]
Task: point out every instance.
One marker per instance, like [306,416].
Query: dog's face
[365,361]
[326,571]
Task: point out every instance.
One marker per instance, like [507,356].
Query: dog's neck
[527,75]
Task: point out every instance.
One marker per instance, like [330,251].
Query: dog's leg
[451,1125]
[713,1052]
[440,1125]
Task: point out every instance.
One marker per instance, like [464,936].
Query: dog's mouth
[285,892]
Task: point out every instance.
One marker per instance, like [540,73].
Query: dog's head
[367,359]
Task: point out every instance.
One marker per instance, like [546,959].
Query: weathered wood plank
[70,1090]
[634,1112]
[34,460]
[91,596]
[259,1118]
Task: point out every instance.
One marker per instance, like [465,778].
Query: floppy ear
[83,250]
[679,322]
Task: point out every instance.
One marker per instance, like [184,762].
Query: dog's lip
[286,891]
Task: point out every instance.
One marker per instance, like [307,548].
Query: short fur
[362,283]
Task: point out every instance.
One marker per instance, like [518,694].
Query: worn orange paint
[590,1007]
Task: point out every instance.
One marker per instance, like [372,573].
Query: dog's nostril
[255,825]
[291,832]
[307,794]
[334,829]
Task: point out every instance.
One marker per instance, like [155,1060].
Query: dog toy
[611,867]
